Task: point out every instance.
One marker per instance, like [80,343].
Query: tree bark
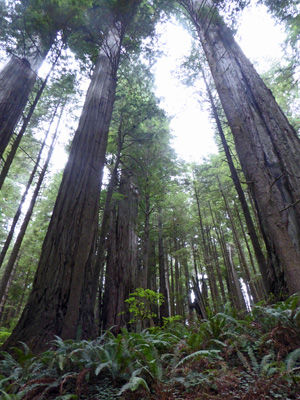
[56,303]
[164,308]
[122,259]
[15,251]
[24,195]
[238,187]
[16,82]
[267,145]
[20,134]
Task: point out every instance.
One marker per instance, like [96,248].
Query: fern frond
[292,358]
[201,353]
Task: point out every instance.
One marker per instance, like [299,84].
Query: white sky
[260,40]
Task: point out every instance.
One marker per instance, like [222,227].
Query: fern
[291,359]
[211,354]
[134,382]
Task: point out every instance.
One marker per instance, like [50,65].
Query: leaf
[200,353]
[61,361]
[107,364]
[291,359]
[133,384]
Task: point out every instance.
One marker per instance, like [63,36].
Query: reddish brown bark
[122,260]
[16,82]
[55,304]
[266,143]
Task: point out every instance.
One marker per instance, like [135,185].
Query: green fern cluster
[254,356]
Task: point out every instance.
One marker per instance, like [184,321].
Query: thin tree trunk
[143,273]
[258,281]
[170,301]
[30,180]
[25,287]
[7,288]
[199,299]
[267,145]
[164,308]
[243,262]
[241,305]
[218,269]
[15,251]
[251,229]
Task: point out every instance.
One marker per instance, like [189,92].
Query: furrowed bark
[122,259]
[263,267]
[24,195]
[55,304]
[16,82]
[23,128]
[15,251]
[164,308]
[267,145]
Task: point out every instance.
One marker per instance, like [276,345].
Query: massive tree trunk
[17,79]
[267,145]
[122,259]
[56,303]
[16,143]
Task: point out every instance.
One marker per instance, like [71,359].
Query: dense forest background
[189,271]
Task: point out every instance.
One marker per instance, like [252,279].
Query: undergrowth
[223,357]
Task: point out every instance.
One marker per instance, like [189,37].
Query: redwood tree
[56,305]
[267,145]
[53,307]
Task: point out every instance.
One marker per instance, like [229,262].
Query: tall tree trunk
[30,180]
[23,128]
[15,251]
[25,287]
[242,258]
[267,145]
[164,308]
[55,304]
[16,82]
[17,79]
[238,187]
[122,260]
[7,288]
[98,272]
[143,272]
[238,294]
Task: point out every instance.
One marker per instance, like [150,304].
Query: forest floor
[226,357]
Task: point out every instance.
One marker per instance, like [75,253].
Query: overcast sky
[260,40]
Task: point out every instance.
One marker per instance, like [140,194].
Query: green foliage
[140,302]
[229,359]
[4,334]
